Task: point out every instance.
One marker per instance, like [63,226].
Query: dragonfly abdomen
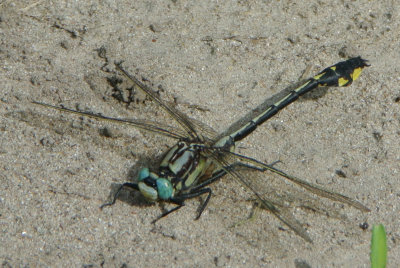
[341,74]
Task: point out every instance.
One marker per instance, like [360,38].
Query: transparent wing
[182,120]
[306,185]
[283,214]
[205,132]
[141,124]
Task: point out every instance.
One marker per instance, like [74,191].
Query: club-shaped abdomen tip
[360,64]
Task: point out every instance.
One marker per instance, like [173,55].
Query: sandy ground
[216,60]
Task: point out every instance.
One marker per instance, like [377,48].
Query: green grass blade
[378,247]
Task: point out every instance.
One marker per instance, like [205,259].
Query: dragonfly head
[153,187]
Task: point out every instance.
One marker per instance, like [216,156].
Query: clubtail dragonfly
[201,157]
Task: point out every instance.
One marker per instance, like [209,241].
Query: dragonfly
[201,157]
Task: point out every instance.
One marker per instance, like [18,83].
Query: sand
[216,61]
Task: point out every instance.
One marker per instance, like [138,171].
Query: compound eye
[143,173]
[164,189]
[147,185]
[149,192]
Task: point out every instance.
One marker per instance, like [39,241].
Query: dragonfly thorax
[183,165]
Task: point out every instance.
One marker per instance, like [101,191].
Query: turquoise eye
[143,173]
[164,188]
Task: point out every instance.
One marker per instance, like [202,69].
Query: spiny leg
[194,192]
[126,184]
[168,212]
[199,190]
[216,176]
[180,199]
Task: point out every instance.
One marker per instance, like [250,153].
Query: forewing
[141,124]
[183,121]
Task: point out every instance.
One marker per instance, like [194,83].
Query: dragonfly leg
[220,173]
[199,189]
[168,212]
[205,203]
[126,184]
[180,199]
